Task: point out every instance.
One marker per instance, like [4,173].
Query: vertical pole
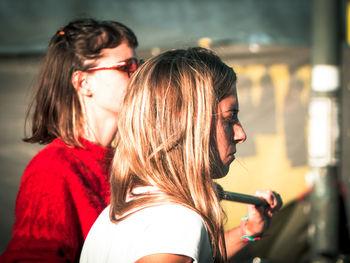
[324,127]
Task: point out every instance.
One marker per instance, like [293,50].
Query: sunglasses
[129,66]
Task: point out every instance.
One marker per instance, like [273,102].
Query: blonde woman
[178,131]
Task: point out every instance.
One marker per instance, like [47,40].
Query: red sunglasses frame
[129,66]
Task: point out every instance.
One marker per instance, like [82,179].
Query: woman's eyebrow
[235,109]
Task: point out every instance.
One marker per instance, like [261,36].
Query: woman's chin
[221,172]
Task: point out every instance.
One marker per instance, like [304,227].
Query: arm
[258,221]
[234,243]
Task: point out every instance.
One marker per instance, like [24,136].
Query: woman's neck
[102,131]
[100,125]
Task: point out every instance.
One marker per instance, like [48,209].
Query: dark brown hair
[56,107]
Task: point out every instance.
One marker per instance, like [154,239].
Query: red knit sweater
[62,192]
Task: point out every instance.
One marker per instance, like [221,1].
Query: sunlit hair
[166,137]
[56,108]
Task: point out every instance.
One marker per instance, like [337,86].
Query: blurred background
[292,59]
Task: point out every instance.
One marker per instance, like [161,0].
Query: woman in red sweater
[75,109]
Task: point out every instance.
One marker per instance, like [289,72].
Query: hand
[259,218]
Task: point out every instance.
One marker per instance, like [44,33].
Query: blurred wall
[26,26]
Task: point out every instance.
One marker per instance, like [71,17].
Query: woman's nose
[239,135]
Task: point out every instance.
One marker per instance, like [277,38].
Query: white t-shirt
[166,228]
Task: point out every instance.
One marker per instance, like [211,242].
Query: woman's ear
[80,83]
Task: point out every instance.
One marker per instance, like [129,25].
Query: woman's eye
[232,118]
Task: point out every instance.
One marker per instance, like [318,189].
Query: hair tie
[60,33]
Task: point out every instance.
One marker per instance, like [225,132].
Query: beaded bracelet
[245,237]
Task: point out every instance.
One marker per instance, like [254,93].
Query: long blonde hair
[166,137]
